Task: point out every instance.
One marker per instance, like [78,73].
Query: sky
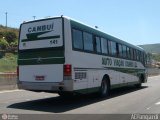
[134,21]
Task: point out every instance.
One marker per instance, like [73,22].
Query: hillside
[4,29]
[8,38]
[151,48]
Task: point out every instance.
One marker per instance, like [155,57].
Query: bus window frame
[129,55]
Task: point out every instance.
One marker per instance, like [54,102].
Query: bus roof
[90,29]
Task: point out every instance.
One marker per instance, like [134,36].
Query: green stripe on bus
[41,38]
[40,53]
[131,71]
[128,70]
[40,61]
[45,56]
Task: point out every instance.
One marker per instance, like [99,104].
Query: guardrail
[8,80]
[153,71]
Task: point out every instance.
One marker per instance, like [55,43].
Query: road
[127,100]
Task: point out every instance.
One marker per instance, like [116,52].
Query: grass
[8,63]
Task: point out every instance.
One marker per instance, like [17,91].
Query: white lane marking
[158,103]
[9,91]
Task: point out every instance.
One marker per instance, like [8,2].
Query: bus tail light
[67,70]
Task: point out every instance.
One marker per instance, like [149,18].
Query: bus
[62,55]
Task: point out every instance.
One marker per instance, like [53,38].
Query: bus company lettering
[107,61]
[118,62]
[41,28]
[129,64]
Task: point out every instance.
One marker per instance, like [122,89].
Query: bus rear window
[47,33]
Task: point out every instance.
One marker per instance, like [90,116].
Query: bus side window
[97,44]
[128,52]
[120,50]
[134,55]
[88,41]
[138,55]
[112,48]
[131,53]
[104,46]
[109,47]
[124,51]
[77,39]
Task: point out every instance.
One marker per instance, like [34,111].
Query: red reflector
[67,70]
[39,77]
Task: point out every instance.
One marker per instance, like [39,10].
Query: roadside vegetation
[8,63]
[156,57]
[153,54]
[8,49]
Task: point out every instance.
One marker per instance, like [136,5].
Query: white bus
[62,55]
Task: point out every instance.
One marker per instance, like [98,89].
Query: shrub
[10,37]
[3,44]
[1,34]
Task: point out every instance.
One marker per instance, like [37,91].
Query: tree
[156,57]
[13,45]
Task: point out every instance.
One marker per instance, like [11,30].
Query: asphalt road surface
[128,100]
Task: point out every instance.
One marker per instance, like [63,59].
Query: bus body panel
[91,65]
[41,73]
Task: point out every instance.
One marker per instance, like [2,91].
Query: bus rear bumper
[43,87]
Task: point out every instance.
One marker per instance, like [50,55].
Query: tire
[104,89]
[139,85]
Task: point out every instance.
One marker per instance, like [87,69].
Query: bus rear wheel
[104,89]
[139,85]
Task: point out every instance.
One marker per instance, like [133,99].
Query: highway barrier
[8,81]
[153,71]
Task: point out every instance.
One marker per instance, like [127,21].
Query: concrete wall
[8,81]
